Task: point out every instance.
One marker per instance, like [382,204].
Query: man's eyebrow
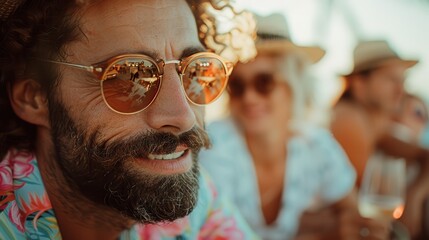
[155,54]
[192,50]
[150,53]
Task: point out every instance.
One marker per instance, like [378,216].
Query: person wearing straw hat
[363,114]
[363,120]
[267,156]
[88,152]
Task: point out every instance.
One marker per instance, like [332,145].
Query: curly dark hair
[37,29]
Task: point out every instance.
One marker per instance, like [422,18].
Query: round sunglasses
[130,83]
[262,83]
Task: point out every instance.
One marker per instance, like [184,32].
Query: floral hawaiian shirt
[26,212]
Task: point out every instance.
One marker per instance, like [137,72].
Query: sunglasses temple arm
[83,67]
[229,67]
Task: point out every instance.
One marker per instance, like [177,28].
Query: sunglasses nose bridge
[177,63]
[250,88]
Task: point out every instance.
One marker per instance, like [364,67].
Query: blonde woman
[270,160]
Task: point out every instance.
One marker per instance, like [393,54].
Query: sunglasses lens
[236,87]
[130,85]
[204,79]
[264,83]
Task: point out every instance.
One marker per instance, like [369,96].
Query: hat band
[269,36]
[373,64]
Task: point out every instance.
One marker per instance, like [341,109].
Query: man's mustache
[155,143]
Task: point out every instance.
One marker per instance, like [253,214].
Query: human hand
[317,222]
[412,217]
[352,226]
[345,224]
[417,195]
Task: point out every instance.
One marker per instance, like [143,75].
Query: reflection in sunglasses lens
[130,85]
[204,80]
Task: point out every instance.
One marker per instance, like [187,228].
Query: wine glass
[382,193]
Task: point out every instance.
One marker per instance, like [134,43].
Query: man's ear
[29,102]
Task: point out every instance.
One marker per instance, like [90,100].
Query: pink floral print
[20,162]
[220,226]
[157,231]
[15,216]
[26,211]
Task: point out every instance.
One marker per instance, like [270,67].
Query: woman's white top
[317,173]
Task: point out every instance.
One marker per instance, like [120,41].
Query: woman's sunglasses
[262,83]
[130,83]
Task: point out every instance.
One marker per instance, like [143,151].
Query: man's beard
[103,172]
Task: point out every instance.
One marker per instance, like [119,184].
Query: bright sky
[403,23]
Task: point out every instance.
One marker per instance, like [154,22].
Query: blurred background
[337,25]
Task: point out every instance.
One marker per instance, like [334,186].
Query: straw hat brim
[314,54]
[383,63]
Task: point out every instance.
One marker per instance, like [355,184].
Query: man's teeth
[166,156]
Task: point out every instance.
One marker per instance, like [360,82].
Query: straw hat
[274,37]
[373,54]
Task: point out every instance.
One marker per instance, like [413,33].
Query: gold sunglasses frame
[100,71]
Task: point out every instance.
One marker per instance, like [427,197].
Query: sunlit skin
[161,29]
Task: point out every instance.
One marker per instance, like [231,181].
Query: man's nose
[171,111]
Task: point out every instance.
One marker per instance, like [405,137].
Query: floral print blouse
[26,212]
[317,173]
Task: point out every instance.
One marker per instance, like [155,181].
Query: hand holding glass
[382,192]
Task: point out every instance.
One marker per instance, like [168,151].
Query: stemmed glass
[382,193]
